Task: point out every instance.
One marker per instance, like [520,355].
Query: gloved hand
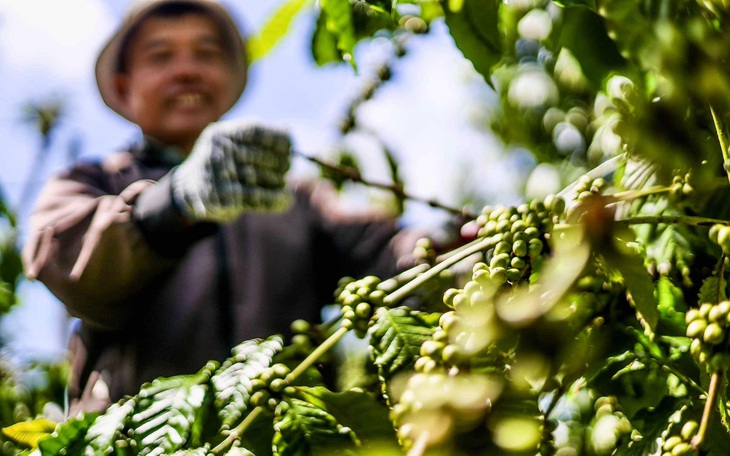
[234,167]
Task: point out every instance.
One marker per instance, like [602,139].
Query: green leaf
[474,27]
[324,43]
[637,281]
[106,428]
[713,289]
[671,308]
[587,3]
[650,423]
[317,420]
[583,32]
[166,412]
[358,411]
[29,433]
[396,338]
[68,438]
[338,22]
[275,29]
[232,381]
[304,429]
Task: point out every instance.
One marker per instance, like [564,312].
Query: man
[172,252]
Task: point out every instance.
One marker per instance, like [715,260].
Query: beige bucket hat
[107,64]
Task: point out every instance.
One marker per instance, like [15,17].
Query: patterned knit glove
[234,167]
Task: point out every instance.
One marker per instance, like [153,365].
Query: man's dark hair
[169,10]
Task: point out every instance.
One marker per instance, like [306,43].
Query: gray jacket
[159,297]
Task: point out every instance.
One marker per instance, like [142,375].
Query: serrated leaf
[396,338]
[275,29]
[232,381]
[671,308]
[713,289]
[474,27]
[29,433]
[338,22]
[68,437]
[358,411]
[305,429]
[106,428]
[166,412]
[637,281]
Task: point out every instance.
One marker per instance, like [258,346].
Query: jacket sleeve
[95,250]
[369,243]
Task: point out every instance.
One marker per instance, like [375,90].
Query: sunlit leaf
[396,338]
[474,26]
[275,29]
[29,433]
[338,22]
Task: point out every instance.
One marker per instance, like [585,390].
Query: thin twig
[316,354]
[397,190]
[237,431]
[719,127]
[671,219]
[707,412]
[601,170]
[420,446]
[408,288]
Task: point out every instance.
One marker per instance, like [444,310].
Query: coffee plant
[590,320]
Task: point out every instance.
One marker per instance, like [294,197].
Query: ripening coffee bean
[363,310]
[277,385]
[695,348]
[681,449]
[520,248]
[714,231]
[499,275]
[513,275]
[300,326]
[716,314]
[534,247]
[671,442]
[689,430]
[502,247]
[705,309]
[451,354]
[448,320]
[696,328]
[518,263]
[431,348]
[713,334]
[691,315]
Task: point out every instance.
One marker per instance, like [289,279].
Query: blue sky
[48,48]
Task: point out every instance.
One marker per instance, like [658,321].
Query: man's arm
[84,245]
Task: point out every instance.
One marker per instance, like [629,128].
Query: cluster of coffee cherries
[267,387]
[464,331]
[424,251]
[587,187]
[457,403]
[680,444]
[609,425]
[520,234]
[720,235]
[359,299]
[707,326]
[680,188]
[438,351]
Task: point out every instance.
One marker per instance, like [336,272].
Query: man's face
[179,78]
